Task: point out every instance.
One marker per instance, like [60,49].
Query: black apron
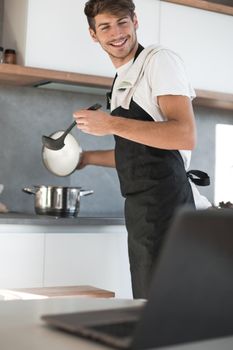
[155,184]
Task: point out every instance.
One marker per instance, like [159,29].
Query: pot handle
[86,192]
[28,190]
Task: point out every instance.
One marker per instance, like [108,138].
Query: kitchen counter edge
[32,219]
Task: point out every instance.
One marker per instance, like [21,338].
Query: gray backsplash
[25,115]
[28,113]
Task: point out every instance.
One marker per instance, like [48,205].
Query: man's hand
[96,123]
[176,132]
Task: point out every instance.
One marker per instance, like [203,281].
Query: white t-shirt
[165,74]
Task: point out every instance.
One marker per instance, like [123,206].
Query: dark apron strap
[109,94]
[199,177]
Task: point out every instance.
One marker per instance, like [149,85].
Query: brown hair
[114,7]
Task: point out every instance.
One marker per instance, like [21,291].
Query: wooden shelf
[213,99]
[28,76]
[11,74]
[205,5]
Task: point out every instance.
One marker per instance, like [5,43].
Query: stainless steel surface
[57,200]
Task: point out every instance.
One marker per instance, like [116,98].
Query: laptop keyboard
[124,329]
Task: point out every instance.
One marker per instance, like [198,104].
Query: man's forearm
[177,131]
[100,158]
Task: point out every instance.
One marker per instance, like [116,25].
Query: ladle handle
[92,108]
[95,107]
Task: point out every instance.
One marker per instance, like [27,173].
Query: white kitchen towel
[134,74]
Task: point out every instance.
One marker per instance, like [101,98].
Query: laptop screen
[191,294]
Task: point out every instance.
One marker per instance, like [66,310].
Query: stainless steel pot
[57,200]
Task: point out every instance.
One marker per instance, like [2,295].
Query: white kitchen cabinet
[148,12]
[47,254]
[54,34]
[204,41]
[97,259]
[21,260]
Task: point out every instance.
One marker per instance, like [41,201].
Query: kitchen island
[21,326]
[45,251]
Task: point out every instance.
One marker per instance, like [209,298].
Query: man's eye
[104,28]
[123,22]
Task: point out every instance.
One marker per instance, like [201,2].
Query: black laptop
[191,295]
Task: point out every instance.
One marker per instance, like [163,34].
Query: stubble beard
[124,55]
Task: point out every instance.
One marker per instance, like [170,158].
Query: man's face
[117,36]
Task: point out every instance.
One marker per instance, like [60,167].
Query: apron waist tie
[199,177]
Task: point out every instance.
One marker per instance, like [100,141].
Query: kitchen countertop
[21,326]
[15,218]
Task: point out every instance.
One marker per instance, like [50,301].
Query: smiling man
[122,47]
[153,123]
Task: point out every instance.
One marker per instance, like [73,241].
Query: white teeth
[118,43]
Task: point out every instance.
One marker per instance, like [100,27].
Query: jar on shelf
[1,54]
[9,56]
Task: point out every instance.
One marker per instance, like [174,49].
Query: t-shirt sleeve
[168,75]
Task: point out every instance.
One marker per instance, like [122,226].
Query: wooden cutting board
[56,292]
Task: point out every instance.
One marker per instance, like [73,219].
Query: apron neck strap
[139,50]
[109,94]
